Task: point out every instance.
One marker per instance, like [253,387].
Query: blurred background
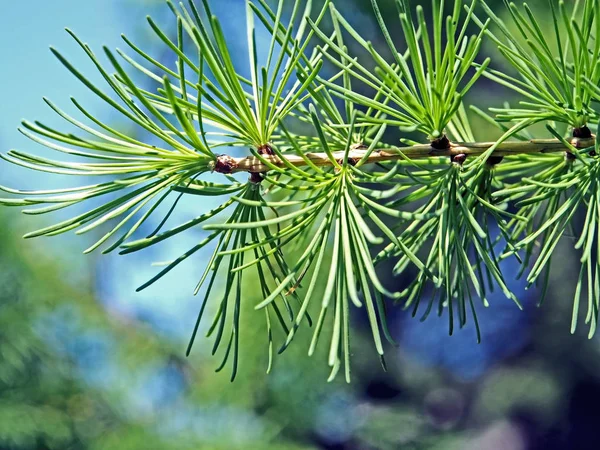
[86,363]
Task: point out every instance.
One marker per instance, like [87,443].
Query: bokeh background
[86,363]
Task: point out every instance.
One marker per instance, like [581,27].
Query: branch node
[225,164]
[351,161]
[582,132]
[265,149]
[441,143]
[458,159]
[255,178]
[494,160]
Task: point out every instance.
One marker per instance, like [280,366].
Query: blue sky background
[27,29]
[33,73]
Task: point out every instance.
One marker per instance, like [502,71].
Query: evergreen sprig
[327,200]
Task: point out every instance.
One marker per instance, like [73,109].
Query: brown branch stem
[252,164]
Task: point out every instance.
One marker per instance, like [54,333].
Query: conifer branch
[309,224]
[252,164]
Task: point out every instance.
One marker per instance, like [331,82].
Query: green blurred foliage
[47,402]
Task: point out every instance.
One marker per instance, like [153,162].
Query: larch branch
[253,164]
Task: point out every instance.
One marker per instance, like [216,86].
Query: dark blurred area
[80,371]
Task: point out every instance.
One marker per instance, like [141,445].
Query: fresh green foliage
[558,72]
[327,199]
[421,89]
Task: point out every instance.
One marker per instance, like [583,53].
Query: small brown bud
[351,161]
[442,143]
[458,159]
[255,178]
[582,133]
[494,160]
[265,149]
[225,164]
